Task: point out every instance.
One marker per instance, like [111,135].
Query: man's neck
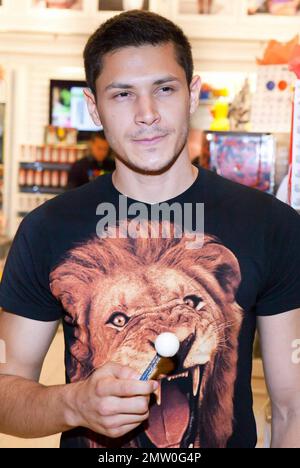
[154,188]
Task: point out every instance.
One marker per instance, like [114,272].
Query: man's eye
[124,94]
[166,89]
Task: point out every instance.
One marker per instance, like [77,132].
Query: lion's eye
[118,319]
[194,301]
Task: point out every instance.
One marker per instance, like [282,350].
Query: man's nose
[146,112]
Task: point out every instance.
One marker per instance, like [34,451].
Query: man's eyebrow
[166,79]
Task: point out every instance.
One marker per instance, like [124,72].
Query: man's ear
[92,106]
[195,88]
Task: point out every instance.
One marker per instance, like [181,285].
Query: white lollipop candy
[166,345]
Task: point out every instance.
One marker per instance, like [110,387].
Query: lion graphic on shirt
[120,293]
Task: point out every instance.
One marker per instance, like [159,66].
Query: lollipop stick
[148,371]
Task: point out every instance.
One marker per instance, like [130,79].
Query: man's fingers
[120,420]
[137,405]
[125,388]
[116,370]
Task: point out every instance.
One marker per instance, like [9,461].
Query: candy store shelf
[45,166]
[38,189]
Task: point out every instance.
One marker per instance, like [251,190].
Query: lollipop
[166,345]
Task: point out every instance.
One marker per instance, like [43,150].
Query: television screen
[68,107]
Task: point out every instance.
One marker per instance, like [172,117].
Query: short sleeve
[24,289]
[281,289]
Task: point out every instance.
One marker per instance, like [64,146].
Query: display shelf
[45,166]
[42,190]
[234,23]
[27,202]
[24,16]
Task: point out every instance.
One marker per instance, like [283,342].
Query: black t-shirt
[115,294]
[88,169]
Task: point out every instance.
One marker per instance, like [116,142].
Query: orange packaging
[22,177]
[55,179]
[30,177]
[38,178]
[46,178]
[63,178]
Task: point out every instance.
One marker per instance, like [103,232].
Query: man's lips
[149,141]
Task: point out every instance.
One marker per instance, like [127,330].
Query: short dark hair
[134,28]
[95,135]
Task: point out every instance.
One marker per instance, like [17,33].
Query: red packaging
[38,178]
[46,178]
[72,155]
[55,178]
[30,177]
[47,153]
[63,178]
[22,177]
[55,155]
[63,155]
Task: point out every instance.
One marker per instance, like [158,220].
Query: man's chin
[152,170]
[149,167]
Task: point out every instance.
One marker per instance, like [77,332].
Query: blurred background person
[98,162]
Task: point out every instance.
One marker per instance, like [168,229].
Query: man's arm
[112,401]
[278,337]
[27,408]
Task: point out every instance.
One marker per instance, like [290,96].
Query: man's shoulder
[232,195]
[228,189]
[245,203]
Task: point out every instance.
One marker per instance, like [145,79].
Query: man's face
[99,148]
[144,104]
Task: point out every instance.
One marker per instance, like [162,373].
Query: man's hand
[112,401]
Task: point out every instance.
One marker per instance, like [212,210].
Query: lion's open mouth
[172,420]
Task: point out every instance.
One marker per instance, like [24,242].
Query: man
[126,258]
[95,164]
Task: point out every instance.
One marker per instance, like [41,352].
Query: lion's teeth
[196,379]
[183,375]
[200,305]
[158,394]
